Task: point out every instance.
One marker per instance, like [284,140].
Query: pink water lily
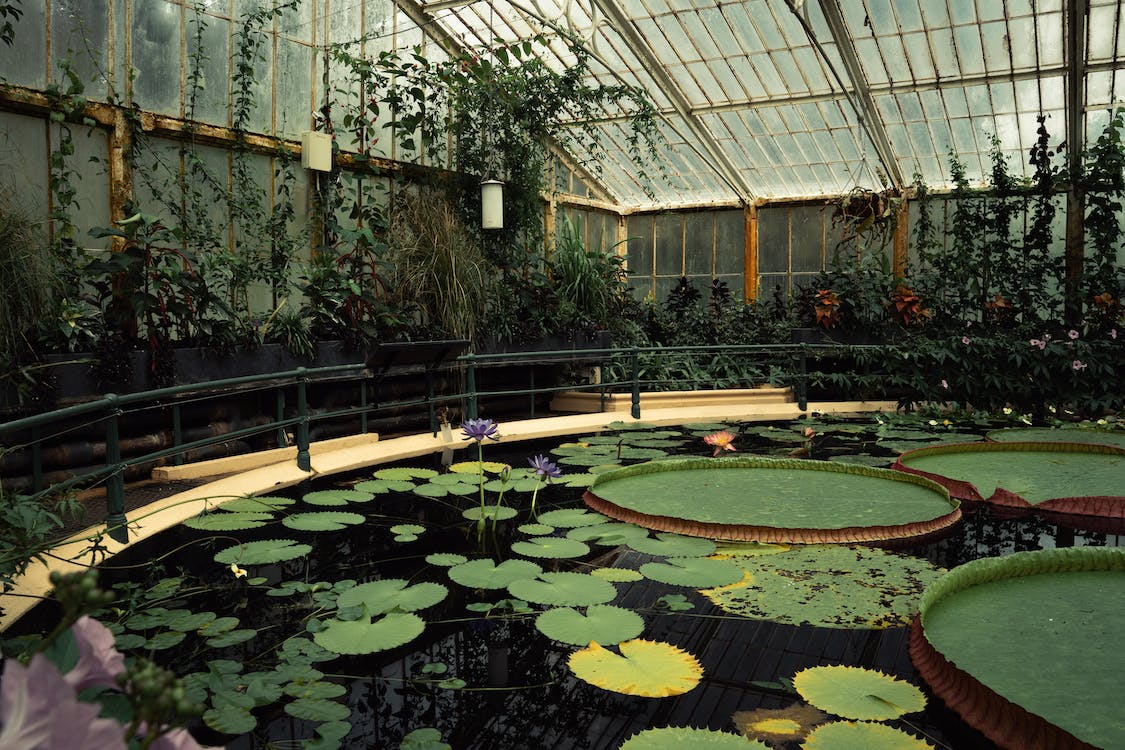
[722,441]
[178,739]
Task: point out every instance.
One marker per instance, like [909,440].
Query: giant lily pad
[1058,435]
[1036,638]
[855,693]
[382,596]
[363,637]
[485,574]
[827,586]
[777,500]
[646,668]
[601,623]
[1068,478]
[564,589]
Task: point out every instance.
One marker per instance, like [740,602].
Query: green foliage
[601,623]
[673,738]
[262,553]
[855,693]
[589,282]
[564,589]
[693,571]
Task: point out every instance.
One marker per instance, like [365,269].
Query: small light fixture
[492,204]
[316,151]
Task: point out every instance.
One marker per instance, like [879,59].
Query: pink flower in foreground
[98,661]
[40,711]
[178,739]
[1113,333]
[723,441]
[966,340]
[1037,343]
[1078,365]
[1072,333]
[944,384]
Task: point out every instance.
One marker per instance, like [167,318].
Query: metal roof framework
[787,99]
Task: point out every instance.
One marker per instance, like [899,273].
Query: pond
[440,649]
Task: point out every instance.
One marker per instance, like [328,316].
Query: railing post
[304,459]
[470,388]
[803,379]
[282,438]
[177,434]
[36,459]
[115,486]
[636,376]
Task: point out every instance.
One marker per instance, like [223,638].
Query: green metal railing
[630,370]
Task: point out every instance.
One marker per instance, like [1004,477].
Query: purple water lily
[544,467]
[39,711]
[98,661]
[479,429]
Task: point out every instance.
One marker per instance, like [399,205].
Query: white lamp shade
[492,204]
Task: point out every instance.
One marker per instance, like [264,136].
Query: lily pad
[564,590]
[263,552]
[827,586]
[550,547]
[673,545]
[777,726]
[475,467]
[454,479]
[678,738]
[693,571]
[435,490]
[317,709]
[224,521]
[362,637]
[165,639]
[617,575]
[490,512]
[445,559]
[571,517]
[1061,435]
[601,623]
[218,626]
[608,534]
[485,574]
[316,689]
[849,735]
[337,497]
[382,596]
[322,521]
[383,486]
[425,738]
[405,473]
[535,529]
[649,669]
[230,720]
[264,504]
[856,693]
[231,638]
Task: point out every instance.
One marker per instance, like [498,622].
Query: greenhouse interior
[489,374]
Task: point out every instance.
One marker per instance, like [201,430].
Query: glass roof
[786,99]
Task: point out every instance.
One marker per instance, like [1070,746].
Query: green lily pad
[1061,435]
[187,621]
[322,521]
[587,459]
[864,459]
[362,637]
[218,626]
[708,427]
[476,467]
[617,575]
[165,639]
[693,571]
[490,512]
[264,504]
[535,529]
[578,480]
[445,559]
[231,638]
[678,738]
[857,693]
[224,521]
[622,426]
[405,473]
[411,529]
[550,547]
[454,479]
[317,689]
[337,497]
[485,574]
[425,738]
[847,735]
[564,590]
[230,720]
[382,487]
[571,517]
[828,586]
[434,490]
[392,593]
[649,669]
[263,552]
[317,709]
[608,534]
[673,545]
[601,623]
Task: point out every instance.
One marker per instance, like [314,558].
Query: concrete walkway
[269,471]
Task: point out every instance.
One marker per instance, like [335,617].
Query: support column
[902,231]
[750,253]
[121,193]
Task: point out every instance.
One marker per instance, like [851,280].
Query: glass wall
[701,245]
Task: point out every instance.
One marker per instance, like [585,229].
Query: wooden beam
[750,255]
[1075,250]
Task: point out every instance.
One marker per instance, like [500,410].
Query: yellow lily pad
[650,669]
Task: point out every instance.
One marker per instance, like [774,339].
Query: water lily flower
[544,467]
[479,429]
[810,432]
[946,422]
[178,739]
[722,441]
[933,423]
[99,662]
[1072,333]
[1007,410]
[1078,365]
[238,572]
[40,711]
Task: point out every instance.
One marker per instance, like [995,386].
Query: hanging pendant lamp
[492,204]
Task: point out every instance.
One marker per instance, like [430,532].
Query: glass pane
[773,240]
[699,238]
[808,238]
[24,63]
[208,42]
[23,156]
[80,34]
[730,242]
[294,77]
[640,245]
[669,244]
